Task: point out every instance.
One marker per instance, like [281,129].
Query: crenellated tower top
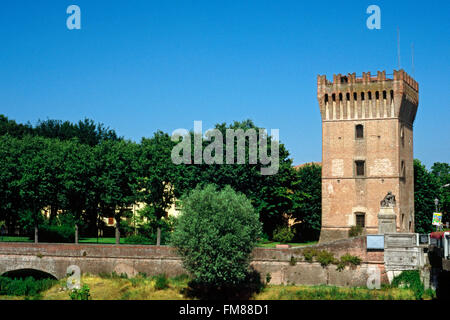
[368,97]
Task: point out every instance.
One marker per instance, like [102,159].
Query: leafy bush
[325,258]
[55,233]
[293,261]
[215,235]
[355,231]
[137,239]
[80,294]
[283,234]
[148,223]
[309,254]
[24,287]
[268,278]
[161,282]
[409,279]
[348,259]
[126,227]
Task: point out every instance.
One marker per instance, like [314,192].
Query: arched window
[359,131]
[333,96]
[326,98]
[355,96]
[384,94]
[369,95]
[362,96]
[377,95]
[392,94]
[340,96]
[347,96]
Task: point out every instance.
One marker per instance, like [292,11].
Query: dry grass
[143,288]
[139,288]
[291,292]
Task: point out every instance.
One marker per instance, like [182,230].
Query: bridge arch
[26,272]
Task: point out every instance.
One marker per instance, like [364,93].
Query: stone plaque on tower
[387,222]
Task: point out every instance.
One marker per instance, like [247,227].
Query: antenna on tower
[412,59]
[398,46]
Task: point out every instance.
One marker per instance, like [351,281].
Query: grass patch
[101,240]
[280,292]
[273,244]
[143,287]
[15,239]
[27,287]
[117,287]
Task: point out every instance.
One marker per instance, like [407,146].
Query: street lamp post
[436,202]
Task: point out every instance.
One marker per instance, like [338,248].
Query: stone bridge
[284,265]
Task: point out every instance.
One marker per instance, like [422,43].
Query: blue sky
[140,66]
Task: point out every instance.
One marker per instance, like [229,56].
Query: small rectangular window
[359,164]
[359,131]
[361,220]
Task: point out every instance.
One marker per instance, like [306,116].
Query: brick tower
[367,150]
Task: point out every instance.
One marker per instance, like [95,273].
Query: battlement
[367,78]
[349,97]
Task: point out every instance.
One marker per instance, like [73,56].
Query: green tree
[215,235]
[13,128]
[77,179]
[37,176]
[307,200]
[10,201]
[157,175]
[86,131]
[117,179]
[441,171]
[426,189]
[270,194]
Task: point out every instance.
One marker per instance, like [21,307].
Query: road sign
[437,219]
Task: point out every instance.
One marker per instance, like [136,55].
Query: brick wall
[132,259]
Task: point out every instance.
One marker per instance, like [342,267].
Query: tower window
[326,98]
[347,96]
[369,95]
[360,219]
[392,94]
[359,167]
[355,96]
[362,96]
[377,95]
[359,131]
[340,96]
[402,135]
[333,96]
[384,94]
[403,169]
